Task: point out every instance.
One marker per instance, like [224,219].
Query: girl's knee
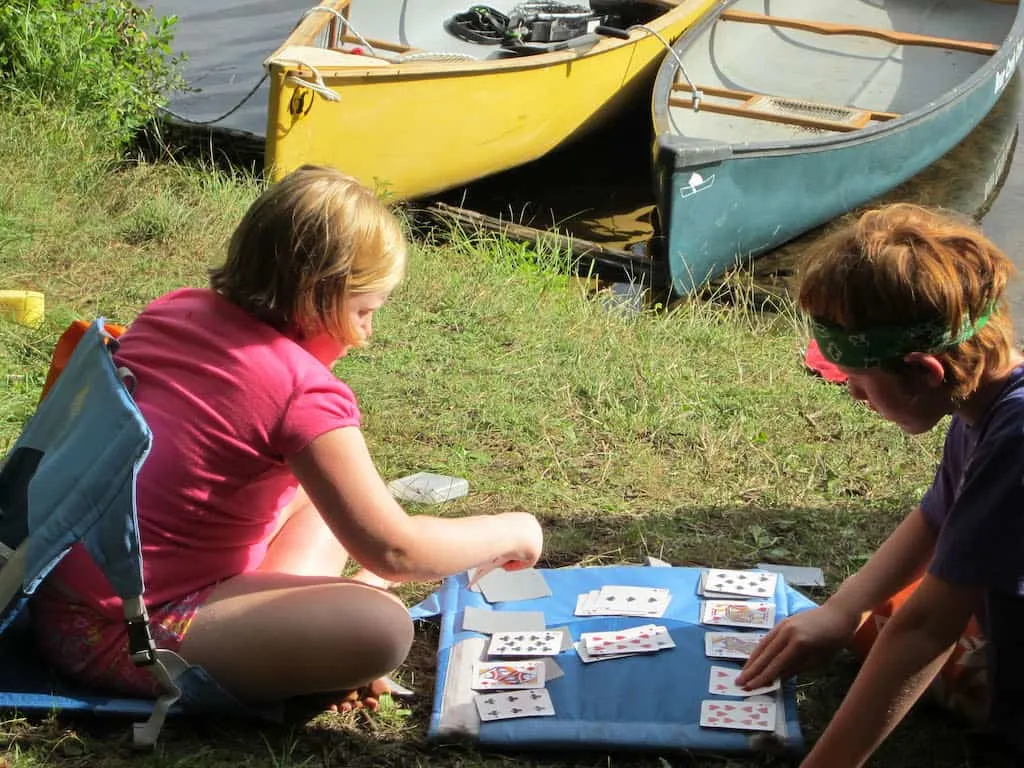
[396,636]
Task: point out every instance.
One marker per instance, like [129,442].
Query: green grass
[692,434]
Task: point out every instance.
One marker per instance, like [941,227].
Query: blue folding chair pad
[649,701]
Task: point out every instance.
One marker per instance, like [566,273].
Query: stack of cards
[650,602]
[617,644]
[722,682]
[507,675]
[720,582]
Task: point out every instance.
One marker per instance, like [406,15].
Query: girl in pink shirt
[259,484]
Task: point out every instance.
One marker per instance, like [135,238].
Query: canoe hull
[723,204]
[415,130]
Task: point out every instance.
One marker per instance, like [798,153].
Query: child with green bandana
[909,304]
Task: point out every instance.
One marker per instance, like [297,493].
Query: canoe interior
[879,80]
[421,25]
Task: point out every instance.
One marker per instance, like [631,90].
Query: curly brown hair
[904,264]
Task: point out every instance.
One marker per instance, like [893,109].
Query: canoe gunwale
[1009,50]
[305,34]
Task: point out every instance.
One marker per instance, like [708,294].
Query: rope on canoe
[435,56]
[345,22]
[317,85]
[698,94]
[190,121]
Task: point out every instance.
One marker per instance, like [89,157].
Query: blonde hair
[308,242]
[903,264]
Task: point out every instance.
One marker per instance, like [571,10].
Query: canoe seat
[765,105]
[325,58]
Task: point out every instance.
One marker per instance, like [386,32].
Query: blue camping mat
[648,701]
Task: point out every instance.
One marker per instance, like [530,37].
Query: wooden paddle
[891,36]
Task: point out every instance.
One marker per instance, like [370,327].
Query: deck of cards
[750,715]
[619,643]
[723,583]
[649,602]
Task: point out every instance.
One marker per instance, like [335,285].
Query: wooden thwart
[747,96]
[828,28]
[857,121]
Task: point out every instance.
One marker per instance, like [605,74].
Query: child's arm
[339,476]
[804,637]
[909,652]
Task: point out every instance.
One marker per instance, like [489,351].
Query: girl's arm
[802,638]
[909,652]
[339,476]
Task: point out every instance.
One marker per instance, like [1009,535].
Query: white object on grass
[428,488]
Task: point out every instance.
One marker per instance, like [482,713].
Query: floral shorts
[88,647]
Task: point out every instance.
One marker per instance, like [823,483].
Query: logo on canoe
[1006,71]
[697,183]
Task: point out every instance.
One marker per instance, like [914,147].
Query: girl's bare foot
[367,697]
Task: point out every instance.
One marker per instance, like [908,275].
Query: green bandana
[874,347]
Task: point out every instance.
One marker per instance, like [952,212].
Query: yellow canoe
[384,91]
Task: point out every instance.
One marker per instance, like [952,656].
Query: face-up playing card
[740,583]
[731,645]
[588,658]
[510,704]
[546,643]
[739,715]
[508,675]
[501,586]
[647,639]
[755,614]
[722,682]
[631,601]
[584,603]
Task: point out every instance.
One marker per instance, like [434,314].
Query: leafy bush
[109,60]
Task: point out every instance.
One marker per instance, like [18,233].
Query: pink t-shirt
[228,399]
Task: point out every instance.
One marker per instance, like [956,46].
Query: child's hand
[526,539]
[797,643]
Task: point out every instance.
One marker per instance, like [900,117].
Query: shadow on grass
[397,736]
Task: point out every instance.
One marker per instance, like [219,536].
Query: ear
[929,367]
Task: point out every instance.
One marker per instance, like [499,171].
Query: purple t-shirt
[976,503]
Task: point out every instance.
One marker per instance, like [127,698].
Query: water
[600,188]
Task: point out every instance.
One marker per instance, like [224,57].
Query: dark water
[600,188]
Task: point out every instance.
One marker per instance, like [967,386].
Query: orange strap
[66,347]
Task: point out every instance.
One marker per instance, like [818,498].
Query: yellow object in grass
[24,307]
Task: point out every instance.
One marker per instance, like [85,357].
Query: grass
[691,434]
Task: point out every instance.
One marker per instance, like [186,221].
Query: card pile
[720,582]
[617,644]
[649,602]
[738,715]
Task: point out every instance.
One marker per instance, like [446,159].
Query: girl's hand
[528,541]
[798,642]
[525,531]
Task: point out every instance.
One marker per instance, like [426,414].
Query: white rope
[317,86]
[343,20]
[698,95]
[435,56]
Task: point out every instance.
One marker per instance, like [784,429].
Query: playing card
[508,675]
[646,639]
[722,682]
[797,575]
[588,658]
[566,637]
[544,643]
[487,621]
[739,715]
[731,645]
[501,586]
[738,613]
[584,603]
[631,601]
[506,705]
[740,583]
